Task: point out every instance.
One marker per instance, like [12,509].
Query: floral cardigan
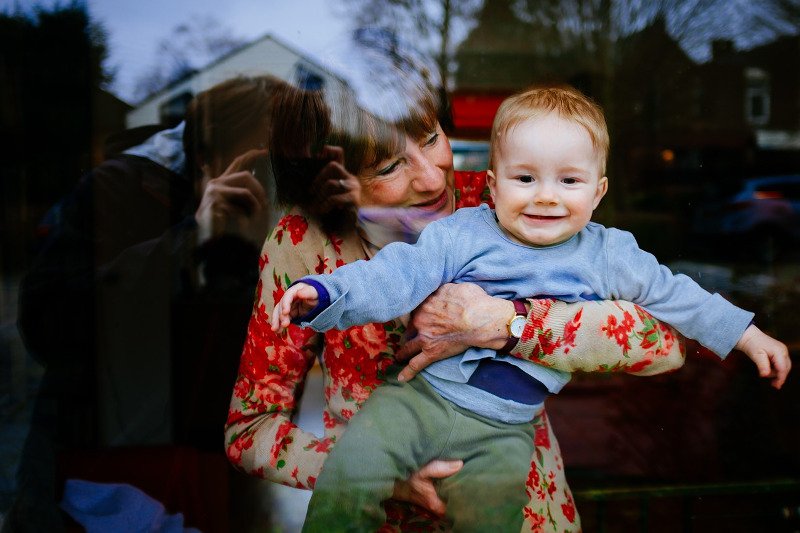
[262,440]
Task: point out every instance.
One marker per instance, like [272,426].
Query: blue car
[763,215]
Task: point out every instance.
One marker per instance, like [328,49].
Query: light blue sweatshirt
[469,246]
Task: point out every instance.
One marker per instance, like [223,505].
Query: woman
[406,163]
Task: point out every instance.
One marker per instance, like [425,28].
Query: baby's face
[546,180]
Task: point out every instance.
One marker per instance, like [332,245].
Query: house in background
[267,55]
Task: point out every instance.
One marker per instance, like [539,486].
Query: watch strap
[519,310]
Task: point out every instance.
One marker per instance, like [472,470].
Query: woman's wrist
[492,322]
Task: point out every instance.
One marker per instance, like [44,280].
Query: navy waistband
[508,382]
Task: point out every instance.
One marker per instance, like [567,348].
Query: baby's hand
[770,355]
[298,300]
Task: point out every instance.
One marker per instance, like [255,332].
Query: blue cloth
[164,148]
[103,507]
[598,263]
[508,382]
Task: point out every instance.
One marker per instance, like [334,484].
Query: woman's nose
[426,176]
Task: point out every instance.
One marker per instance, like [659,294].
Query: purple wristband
[322,295]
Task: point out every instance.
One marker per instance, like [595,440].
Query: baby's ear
[602,189]
[491,181]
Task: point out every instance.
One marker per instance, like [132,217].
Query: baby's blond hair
[567,102]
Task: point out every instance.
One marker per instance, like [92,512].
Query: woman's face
[419,176]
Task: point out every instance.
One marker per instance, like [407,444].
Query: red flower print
[272,394]
[339,263]
[654,334]
[296,225]
[323,446]
[253,364]
[355,360]
[322,264]
[372,337]
[319,446]
[334,346]
[551,486]
[263,261]
[241,388]
[570,329]
[259,291]
[641,365]
[539,311]
[347,414]
[536,520]
[277,294]
[282,441]
[547,343]
[621,333]
[237,446]
[627,321]
[328,421]
[568,509]
[266,353]
[336,242]
[542,437]
[312,480]
[299,337]
[533,479]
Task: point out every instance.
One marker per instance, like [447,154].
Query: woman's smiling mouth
[434,205]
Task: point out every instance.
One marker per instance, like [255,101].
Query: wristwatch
[516,325]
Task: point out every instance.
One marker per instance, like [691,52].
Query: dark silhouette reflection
[137,306]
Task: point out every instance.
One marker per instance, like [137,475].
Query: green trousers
[401,428]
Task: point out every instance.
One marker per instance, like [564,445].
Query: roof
[305,55]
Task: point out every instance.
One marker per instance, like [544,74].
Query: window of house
[307,78]
[757,96]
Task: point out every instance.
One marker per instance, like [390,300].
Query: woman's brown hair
[217,118]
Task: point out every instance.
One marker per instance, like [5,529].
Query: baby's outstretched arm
[298,300]
[770,355]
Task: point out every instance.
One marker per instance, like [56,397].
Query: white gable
[264,56]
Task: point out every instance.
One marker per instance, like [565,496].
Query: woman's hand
[235,202]
[334,187]
[455,317]
[420,488]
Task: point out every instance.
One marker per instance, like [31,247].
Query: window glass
[151,148]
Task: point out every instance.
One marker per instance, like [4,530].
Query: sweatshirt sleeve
[394,282]
[636,276]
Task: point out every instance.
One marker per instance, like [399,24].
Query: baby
[549,147]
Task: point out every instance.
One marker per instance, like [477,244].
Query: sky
[135,27]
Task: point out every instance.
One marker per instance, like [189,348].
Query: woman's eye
[527,178]
[389,168]
[431,140]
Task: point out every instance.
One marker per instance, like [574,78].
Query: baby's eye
[570,181]
[525,178]
[431,140]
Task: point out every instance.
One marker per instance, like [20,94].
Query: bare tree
[427,23]
[592,25]
[188,47]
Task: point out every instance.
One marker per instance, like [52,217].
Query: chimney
[721,48]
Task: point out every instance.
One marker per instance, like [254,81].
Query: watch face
[516,326]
